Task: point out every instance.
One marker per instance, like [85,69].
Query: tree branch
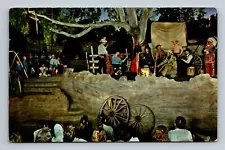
[121,14]
[143,23]
[124,25]
[132,17]
[72,35]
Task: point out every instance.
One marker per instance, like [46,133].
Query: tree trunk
[143,26]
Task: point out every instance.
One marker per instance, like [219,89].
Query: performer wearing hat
[209,57]
[158,56]
[177,49]
[185,62]
[102,52]
[169,65]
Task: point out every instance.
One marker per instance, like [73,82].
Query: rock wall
[196,99]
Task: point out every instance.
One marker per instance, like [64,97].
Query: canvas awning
[165,32]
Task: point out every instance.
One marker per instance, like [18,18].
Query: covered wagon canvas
[112,75]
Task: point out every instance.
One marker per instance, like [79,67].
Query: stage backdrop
[165,32]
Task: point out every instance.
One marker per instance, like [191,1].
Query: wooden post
[127,60]
[137,62]
[93,60]
[87,61]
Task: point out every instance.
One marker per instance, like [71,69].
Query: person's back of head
[44,135]
[42,124]
[84,121]
[15,138]
[101,118]
[160,134]
[58,133]
[180,122]
[69,133]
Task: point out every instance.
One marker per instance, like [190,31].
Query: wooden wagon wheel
[142,119]
[116,110]
[197,63]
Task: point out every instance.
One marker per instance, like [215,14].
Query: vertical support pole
[87,61]
[127,59]
[137,62]
[93,60]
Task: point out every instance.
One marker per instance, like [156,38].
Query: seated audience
[99,134]
[43,135]
[43,70]
[41,125]
[85,129]
[58,133]
[160,134]
[15,138]
[69,132]
[108,129]
[179,134]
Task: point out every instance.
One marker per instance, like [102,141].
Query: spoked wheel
[142,119]
[116,110]
[197,63]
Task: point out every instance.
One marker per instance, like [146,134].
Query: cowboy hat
[169,51]
[158,45]
[103,41]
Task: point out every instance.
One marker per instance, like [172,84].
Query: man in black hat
[185,62]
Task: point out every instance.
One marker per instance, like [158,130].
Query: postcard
[113,75]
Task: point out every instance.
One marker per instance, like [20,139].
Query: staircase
[48,87]
[42,85]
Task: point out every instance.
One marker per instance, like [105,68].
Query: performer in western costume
[209,57]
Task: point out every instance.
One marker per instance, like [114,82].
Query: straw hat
[103,41]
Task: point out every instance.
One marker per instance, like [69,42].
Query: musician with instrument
[169,65]
[209,57]
[158,56]
[185,62]
[102,52]
[117,62]
[146,58]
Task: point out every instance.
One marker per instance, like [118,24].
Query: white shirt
[54,62]
[134,139]
[35,134]
[180,135]
[188,60]
[78,140]
[102,50]
[109,131]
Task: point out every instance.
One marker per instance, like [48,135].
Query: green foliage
[179,14]
[18,19]
[112,13]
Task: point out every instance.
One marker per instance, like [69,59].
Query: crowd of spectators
[67,132]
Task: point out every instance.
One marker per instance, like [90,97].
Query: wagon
[118,111]
[164,32]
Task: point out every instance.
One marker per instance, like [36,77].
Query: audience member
[179,134]
[58,133]
[160,134]
[15,138]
